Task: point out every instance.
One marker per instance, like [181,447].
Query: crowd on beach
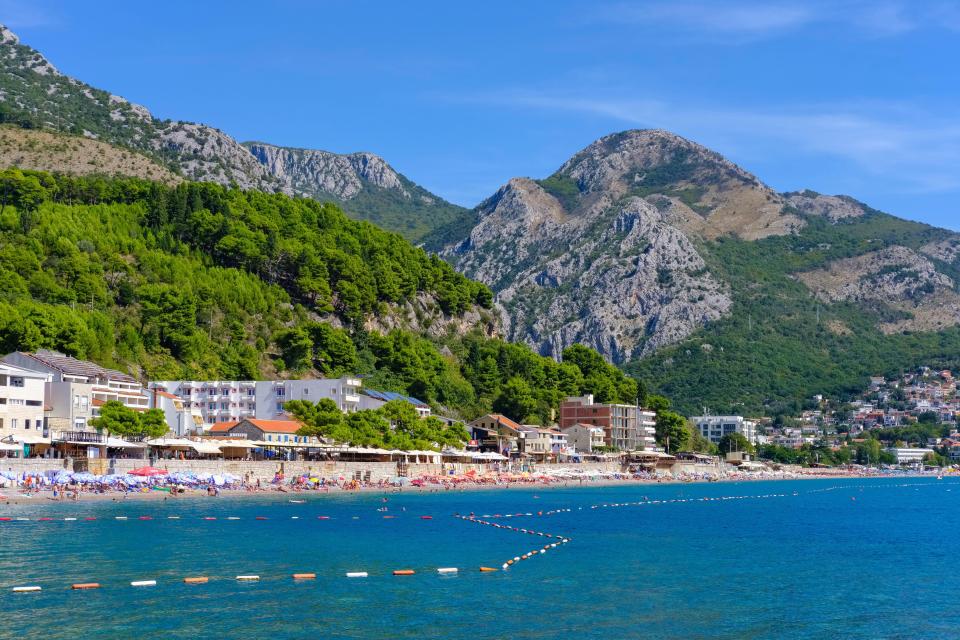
[62,485]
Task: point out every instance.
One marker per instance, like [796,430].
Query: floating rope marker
[29,589]
[85,585]
[69,519]
[197,580]
[489,569]
[447,570]
[404,572]
[304,576]
[248,578]
[143,583]
[356,574]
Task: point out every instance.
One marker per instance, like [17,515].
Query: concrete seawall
[265,470]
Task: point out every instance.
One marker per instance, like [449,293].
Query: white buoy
[248,578]
[356,574]
[26,589]
[69,519]
[447,570]
[143,583]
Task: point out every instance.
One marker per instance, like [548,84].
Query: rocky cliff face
[604,253]
[363,184]
[321,172]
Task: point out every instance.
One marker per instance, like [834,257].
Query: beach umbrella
[146,472]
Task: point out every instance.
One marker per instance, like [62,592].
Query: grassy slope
[64,153]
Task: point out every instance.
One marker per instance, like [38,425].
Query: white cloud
[752,19]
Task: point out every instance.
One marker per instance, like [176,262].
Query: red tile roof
[503,420]
[267,426]
[223,427]
[276,426]
[165,394]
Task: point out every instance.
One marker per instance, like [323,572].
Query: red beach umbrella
[148,471]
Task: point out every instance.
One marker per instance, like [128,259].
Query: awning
[9,446]
[235,444]
[205,447]
[117,443]
[29,438]
[171,443]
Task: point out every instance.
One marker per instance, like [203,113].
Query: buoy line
[525,556]
[148,518]
[245,578]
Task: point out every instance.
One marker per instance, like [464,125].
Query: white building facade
[714,428]
[21,403]
[235,400]
[77,388]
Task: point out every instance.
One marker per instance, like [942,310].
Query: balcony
[350,398]
[91,437]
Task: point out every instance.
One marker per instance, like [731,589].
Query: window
[26,423]
[224,406]
[18,402]
[16,381]
[279,406]
[211,405]
[281,392]
[306,392]
[13,423]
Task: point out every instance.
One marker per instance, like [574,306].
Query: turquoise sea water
[871,559]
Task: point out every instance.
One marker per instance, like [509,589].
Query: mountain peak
[648,160]
[19,56]
[7,36]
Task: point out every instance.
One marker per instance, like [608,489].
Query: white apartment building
[715,427]
[77,388]
[21,404]
[182,417]
[584,438]
[234,400]
[909,455]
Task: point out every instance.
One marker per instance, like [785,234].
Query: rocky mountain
[362,183]
[605,251]
[673,261]
[35,95]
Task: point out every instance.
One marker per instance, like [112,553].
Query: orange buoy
[86,585]
[404,572]
[426,517]
[486,569]
[304,576]
[197,580]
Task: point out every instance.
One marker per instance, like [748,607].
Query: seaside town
[61,424]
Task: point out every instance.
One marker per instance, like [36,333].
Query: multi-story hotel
[219,401]
[625,426]
[76,389]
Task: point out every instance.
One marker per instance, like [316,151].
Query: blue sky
[847,97]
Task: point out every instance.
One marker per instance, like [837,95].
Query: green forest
[779,345]
[199,281]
